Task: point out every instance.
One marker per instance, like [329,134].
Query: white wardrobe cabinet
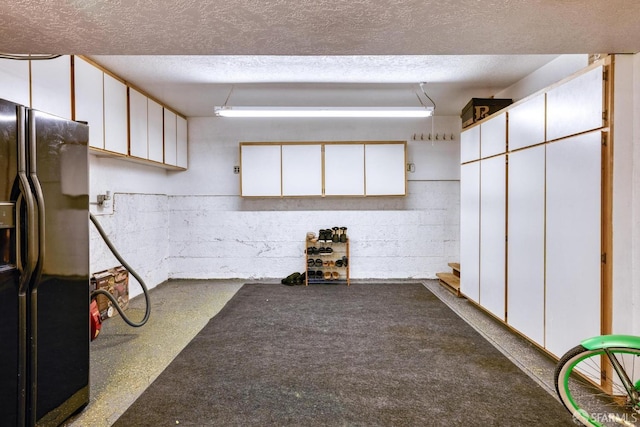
[89,99]
[14,81]
[527,123]
[470,230]
[493,139]
[51,86]
[525,255]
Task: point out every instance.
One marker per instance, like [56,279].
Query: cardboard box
[116,282]
[479,108]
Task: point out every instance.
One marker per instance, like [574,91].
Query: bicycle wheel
[592,391]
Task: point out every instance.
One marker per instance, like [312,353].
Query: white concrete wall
[216,233]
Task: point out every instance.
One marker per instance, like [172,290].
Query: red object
[94,319]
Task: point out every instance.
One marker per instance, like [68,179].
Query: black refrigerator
[44,267]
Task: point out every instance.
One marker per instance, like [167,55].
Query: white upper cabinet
[170,137]
[385,171]
[51,86]
[344,170]
[138,133]
[493,136]
[14,81]
[89,99]
[527,123]
[182,144]
[576,106]
[115,115]
[155,129]
[470,144]
[261,170]
[302,170]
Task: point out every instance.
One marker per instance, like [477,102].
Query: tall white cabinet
[531,204]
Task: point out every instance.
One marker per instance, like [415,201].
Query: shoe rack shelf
[328,259]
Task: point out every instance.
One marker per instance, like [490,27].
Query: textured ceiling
[180,49]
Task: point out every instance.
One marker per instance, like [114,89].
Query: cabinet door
[493,223]
[493,136]
[138,134]
[155,117]
[115,115]
[14,81]
[89,102]
[170,137]
[576,106]
[51,86]
[573,243]
[470,144]
[344,170]
[302,170]
[260,170]
[182,144]
[525,253]
[385,169]
[470,230]
[527,123]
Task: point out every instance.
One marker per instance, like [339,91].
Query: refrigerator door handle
[28,265]
[39,200]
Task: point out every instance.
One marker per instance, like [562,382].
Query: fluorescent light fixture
[273,111]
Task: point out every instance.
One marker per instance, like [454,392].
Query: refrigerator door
[59,292]
[12,326]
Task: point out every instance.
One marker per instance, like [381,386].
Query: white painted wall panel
[527,123]
[260,171]
[526,213]
[493,136]
[51,86]
[470,144]
[89,100]
[14,81]
[470,230]
[385,169]
[302,170]
[573,241]
[493,206]
[575,106]
[344,170]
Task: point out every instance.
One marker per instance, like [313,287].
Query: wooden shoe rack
[327,262]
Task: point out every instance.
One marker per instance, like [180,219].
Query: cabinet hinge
[604,140]
[603,258]
[605,114]
[605,75]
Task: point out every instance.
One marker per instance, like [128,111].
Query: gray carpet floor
[368,354]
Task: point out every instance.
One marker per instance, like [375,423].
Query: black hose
[133,273]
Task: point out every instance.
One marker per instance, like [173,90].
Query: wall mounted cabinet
[14,81]
[543,276]
[261,165]
[182,149]
[328,169]
[138,125]
[89,100]
[170,138]
[155,129]
[51,86]
[115,115]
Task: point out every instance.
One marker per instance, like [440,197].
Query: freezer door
[59,302]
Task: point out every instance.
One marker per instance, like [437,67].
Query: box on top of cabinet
[479,108]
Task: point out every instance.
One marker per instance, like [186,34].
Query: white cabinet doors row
[354,169]
[551,209]
[120,122]
[571,108]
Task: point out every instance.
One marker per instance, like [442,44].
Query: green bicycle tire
[588,404]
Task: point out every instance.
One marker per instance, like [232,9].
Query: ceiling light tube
[275,112]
